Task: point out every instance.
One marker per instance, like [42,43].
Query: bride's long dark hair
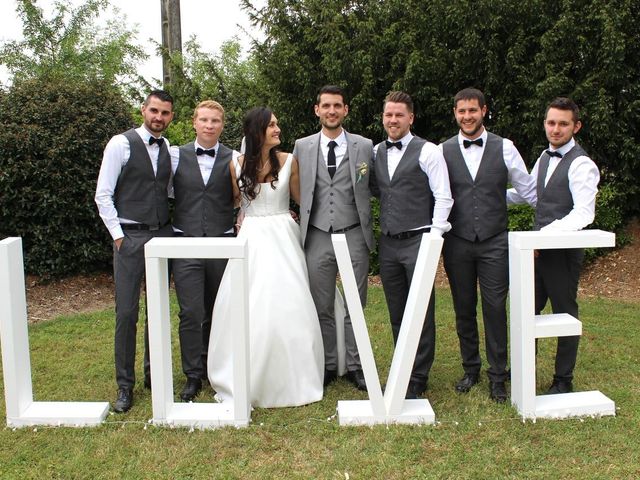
[255,126]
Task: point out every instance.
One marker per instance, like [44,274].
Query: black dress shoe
[560,386]
[147,382]
[415,390]
[329,377]
[497,392]
[357,378]
[191,389]
[466,382]
[124,400]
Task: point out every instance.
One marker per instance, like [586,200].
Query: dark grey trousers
[322,266]
[128,276]
[397,263]
[557,276]
[197,282]
[467,264]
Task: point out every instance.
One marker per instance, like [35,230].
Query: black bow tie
[389,145]
[468,143]
[554,154]
[210,151]
[153,140]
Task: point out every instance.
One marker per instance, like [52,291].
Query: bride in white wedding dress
[286,353]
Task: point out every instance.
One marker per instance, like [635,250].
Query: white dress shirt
[432,163]
[340,149]
[584,177]
[519,178]
[115,157]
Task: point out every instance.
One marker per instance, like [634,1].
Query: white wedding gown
[286,359]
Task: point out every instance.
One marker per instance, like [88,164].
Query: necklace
[263,167]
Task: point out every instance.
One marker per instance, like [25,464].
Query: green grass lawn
[72,359]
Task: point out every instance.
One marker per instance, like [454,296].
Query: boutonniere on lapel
[361,170]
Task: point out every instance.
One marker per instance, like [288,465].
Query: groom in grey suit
[334,190]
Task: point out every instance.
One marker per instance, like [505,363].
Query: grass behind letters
[72,359]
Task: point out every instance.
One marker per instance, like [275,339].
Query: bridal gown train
[286,359]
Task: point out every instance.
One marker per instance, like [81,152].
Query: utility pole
[171,37]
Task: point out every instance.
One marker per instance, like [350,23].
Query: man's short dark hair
[469,94]
[564,103]
[332,90]
[399,97]
[160,95]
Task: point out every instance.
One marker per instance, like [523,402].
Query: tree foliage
[226,77]
[71,45]
[52,134]
[520,53]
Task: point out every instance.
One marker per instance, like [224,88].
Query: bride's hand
[239,220]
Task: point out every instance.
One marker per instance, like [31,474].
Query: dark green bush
[52,134]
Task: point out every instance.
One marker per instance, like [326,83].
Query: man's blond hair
[211,104]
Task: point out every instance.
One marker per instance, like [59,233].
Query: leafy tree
[226,77]
[520,53]
[52,134]
[71,45]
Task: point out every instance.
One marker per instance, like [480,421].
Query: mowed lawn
[474,438]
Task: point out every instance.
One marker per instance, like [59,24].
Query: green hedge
[52,134]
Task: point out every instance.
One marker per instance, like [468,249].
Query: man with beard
[335,198]
[132,199]
[481,165]
[410,178]
[566,187]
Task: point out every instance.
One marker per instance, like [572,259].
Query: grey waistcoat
[203,210]
[479,207]
[406,201]
[140,195]
[334,204]
[555,200]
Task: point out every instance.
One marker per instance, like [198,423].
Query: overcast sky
[212,21]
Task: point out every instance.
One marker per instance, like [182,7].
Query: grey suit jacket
[360,157]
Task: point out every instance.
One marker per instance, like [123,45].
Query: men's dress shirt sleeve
[175,159]
[116,155]
[433,164]
[523,183]
[583,183]
[514,198]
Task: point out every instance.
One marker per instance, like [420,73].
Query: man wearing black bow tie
[480,164]
[132,199]
[203,208]
[413,186]
[567,184]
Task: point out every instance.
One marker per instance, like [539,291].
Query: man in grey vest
[335,198]
[567,184]
[480,166]
[132,199]
[412,183]
[203,208]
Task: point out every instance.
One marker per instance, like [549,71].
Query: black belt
[141,226]
[409,234]
[343,230]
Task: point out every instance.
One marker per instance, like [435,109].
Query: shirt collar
[564,149]
[404,140]
[196,145]
[145,134]
[483,136]
[340,139]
